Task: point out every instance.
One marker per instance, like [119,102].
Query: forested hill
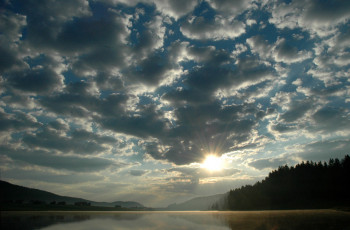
[10,193]
[307,185]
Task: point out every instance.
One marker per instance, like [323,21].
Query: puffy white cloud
[232,8]
[175,9]
[219,28]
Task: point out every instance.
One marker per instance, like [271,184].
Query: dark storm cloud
[315,16]
[325,11]
[324,150]
[284,52]
[150,70]
[18,121]
[83,34]
[109,82]
[330,119]
[150,38]
[283,128]
[80,141]
[148,122]
[44,19]
[281,51]
[8,59]
[135,172]
[69,178]
[201,129]
[332,90]
[58,125]
[42,78]
[217,73]
[296,110]
[68,27]
[101,59]
[268,163]
[10,25]
[97,41]
[48,159]
[79,100]
[36,81]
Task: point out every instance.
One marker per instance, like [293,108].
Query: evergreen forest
[308,185]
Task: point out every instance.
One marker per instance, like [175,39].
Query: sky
[124,99]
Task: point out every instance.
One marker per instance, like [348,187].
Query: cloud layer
[140,92]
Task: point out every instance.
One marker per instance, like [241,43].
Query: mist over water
[251,220]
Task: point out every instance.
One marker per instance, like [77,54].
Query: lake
[213,220]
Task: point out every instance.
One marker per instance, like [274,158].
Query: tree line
[308,185]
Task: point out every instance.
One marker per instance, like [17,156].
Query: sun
[212,163]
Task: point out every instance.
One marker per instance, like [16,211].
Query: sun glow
[212,163]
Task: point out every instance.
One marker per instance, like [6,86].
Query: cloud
[135,172]
[232,8]
[330,119]
[201,129]
[331,56]
[296,110]
[176,9]
[150,70]
[10,25]
[48,159]
[80,100]
[39,81]
[198,173]
[80,142]
[323,150]
[317,17]
[31,174]
[90,87]
[283,128]
[281,51]
[17,122]
[219,28]
[271,163]
[148,123]
[41,31]
[151,37]
[200,84]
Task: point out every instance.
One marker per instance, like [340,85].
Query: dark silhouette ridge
[15,196]
[308,185]
[198,203]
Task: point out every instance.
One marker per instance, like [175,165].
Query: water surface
[257,220]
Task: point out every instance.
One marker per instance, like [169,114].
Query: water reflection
[266,220]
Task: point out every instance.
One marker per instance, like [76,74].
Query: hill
[308,185]
[198,203]
[10,193]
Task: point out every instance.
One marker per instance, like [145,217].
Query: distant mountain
[199,203]
[15,193]
[124,204]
